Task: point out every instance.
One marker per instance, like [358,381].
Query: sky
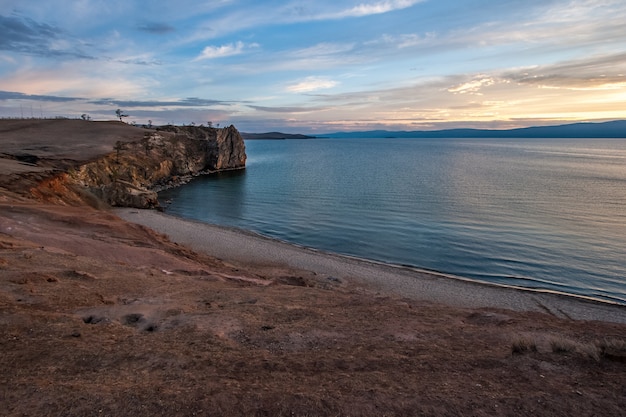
[316,67]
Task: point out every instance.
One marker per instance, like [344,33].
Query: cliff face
[131,175]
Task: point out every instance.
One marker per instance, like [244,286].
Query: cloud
[368,9]
[22,34]
[606,72]
[139,61]
[404,40]
[294,109]
[324,49]
[212,52]
[186,102]
[379,7]
[22,31]
[158,28]
[473,86]
[311,84]
[317,57]
[10,95]
[259,14]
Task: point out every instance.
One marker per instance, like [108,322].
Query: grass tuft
[612,349]
[562,345]
[523,345]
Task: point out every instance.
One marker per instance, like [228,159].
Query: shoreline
[251,249]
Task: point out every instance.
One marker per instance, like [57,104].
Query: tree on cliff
[120,113]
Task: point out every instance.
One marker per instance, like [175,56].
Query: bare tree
[120,114]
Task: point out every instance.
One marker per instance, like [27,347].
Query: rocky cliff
[168,156]
[76,161]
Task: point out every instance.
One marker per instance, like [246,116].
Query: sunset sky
[316,67]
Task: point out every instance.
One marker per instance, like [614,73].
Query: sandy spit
[250,249]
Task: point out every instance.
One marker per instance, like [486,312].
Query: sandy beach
[253,250]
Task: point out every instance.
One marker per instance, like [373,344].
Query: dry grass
[564,345]
[523,344]
[584,349]
[613,349]
[608,348]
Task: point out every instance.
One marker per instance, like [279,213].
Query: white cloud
[579,10]
[324,49]
[367,9]
[403,41]
[259,14]
[212,52]
[311,84]
[473,86]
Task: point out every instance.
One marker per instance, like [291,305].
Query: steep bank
[77,161]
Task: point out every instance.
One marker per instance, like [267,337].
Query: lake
[546,214]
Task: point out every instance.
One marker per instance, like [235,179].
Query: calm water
[536,213]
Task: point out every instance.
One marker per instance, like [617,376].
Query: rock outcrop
[76,161]
[168,156]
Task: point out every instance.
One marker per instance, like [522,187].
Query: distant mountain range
[614,129]
[273,135]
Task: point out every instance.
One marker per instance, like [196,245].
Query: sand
[253,250]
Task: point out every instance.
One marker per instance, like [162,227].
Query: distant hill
[274,135]
[614,129]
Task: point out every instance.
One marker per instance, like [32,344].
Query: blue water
[537,213]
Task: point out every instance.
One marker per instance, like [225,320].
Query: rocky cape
[118,164]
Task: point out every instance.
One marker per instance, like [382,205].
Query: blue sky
[323,66]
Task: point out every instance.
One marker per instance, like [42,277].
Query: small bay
[546,214]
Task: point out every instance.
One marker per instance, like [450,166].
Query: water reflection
[222,194]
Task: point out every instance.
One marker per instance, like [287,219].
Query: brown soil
[99,317]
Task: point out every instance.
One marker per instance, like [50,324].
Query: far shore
[253,250]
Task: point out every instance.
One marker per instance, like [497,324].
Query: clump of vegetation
[563,345]
[523,345]
[614,349]
[585,349]
[608,348]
